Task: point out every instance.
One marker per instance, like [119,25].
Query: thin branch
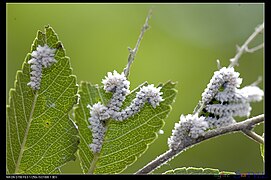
[218,64]
[258,81]
[256,48]
[234,61]
[254,136]
[132,52]
[168,155]
[244,47]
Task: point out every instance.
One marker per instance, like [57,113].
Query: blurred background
[182,45]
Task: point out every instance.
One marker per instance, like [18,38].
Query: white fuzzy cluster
[97,116]
[114,81]
[118,85]
[213,122]
[43,56]
[229,110]
[225,77]
[148,94]
[252,93]
[223,100]
[229,95]
[189,126]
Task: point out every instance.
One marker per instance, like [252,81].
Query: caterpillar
[222,100]
[224,78]
[97,126]
[42,57]
[190,126]
[118,85]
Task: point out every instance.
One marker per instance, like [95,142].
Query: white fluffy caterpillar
[118,85]
[189,126]
[97,116]
[221,102]
[225,77]
[43,56]
[148,94]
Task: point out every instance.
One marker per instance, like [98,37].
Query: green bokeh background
[183,44]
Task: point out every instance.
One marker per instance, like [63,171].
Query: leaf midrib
[93,163]
[26,134]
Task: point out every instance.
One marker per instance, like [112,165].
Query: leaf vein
[26,133]
[85,142]
[15,117]
[81,150]
[74,143]
[136,127]
[10,144]
[100,95]
[118,151]
[52,127]
[63,67]
[28,169]
[90,98]
[55,100]
[85,118]
[22,97]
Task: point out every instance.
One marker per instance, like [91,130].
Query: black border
[266,104]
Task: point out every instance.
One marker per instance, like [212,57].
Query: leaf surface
[124,141]
[40,136]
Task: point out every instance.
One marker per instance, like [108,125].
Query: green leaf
[124,141]
[193,170]
[262,149]
[40,136]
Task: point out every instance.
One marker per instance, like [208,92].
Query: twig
[252,50]
[168,155]
[218,64]
[132,52]
[258,81]
[252,135]
[234,61]
[244,47]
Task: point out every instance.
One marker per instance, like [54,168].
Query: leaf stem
[132,52]
[93,163]
[170,154]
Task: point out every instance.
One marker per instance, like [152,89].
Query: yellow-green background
[183,44]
